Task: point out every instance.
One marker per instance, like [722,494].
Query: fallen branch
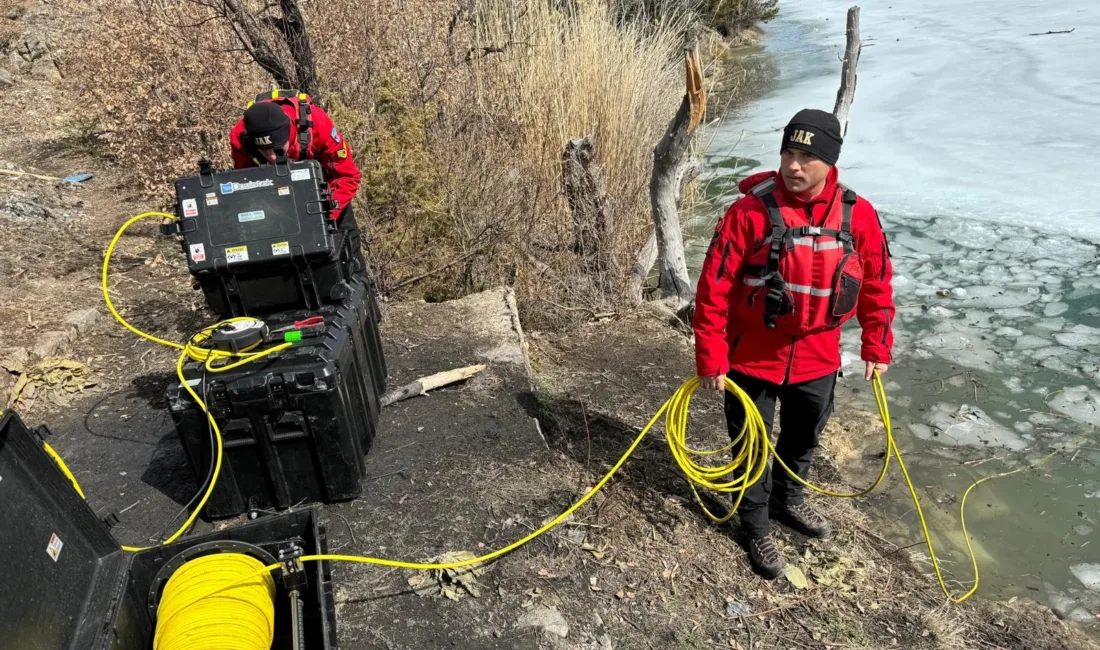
[1063,31]
[432,382]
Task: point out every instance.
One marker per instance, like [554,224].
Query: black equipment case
[260,240]
[69,586]
[296,425]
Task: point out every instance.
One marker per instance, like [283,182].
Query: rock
[45,70]
[6,78]
[546,619]
[17,12]
[20,354]
[49,344]
[17,62]
[83,319]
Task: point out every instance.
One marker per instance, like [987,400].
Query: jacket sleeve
[334,154]
[875,309]
[712,295]
[241,159]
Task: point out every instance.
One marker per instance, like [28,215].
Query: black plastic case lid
[62,570]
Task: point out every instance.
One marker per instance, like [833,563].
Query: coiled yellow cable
[217,602]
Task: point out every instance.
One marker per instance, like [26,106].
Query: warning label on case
[211,198]
[236,254]
[198,253]
[190,208]
[300,175]
[284,190]
[281,248]
[54,547]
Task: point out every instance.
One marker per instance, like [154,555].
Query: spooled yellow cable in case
[217,602]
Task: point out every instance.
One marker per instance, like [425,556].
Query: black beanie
[267,125]
[815,132]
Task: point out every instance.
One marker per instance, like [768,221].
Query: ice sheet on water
[1024,427]
[919,244]
[978,318]
[971,426]
[1080,403]
[1030,342]
[1091,311]
[963,347]
[1008,331]
[922,431]
[1053,324]
[939,313]
[1088,575]
[1043,420]
[1013,312]
[1055,309]
[998,297]
[1013,384]
[1077,340]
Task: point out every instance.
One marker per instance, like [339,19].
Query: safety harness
[778,300]
[304,105]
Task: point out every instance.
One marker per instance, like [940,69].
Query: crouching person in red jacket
[791,261]
[287,121]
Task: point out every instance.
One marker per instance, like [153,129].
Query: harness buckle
[812,231]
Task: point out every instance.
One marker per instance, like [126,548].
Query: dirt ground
[472,467]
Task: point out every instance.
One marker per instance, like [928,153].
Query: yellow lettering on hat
[802,137]
[263,141]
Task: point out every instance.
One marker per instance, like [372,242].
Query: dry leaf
[796,577]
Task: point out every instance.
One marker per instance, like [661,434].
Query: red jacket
[723,342]
[326,146]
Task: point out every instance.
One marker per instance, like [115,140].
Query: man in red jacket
[791,261]
[287,121]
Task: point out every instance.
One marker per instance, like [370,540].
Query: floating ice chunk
[1076,340]
[1030,342]
[1080,403]
[1082,529]
[940,313]
[1023,427]
[899,281]
[919,244]
[922,431]
[1088,575]
[1008,331]
[848,358]
[997,297]
[1091,311]
[904,401]
[964,348]
[1013,384]
[1054,324]
[1013,312]
[1043,420]
[969,425]
[1065,607]
[1055,309]
[958,292]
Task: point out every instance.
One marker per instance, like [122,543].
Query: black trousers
[806,410]
[346,223]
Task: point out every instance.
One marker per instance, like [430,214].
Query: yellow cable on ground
[240,614]
[748,466]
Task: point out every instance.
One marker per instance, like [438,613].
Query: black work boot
[802,519]
[765,557]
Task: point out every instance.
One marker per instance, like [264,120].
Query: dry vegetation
[458,114]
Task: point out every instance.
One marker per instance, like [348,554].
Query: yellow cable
[239,613]
[750,462]
[64,468]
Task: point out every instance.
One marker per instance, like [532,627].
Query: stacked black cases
[295,425]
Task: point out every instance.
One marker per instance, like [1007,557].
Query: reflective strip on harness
[811,241]
[797,288]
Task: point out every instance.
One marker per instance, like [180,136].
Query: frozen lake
[973,139]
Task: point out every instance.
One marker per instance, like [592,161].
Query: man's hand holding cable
[712,383]
[871,367]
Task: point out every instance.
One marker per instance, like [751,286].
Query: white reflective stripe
[797,288]
[811,241]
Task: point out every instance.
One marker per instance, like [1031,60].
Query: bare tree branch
[847,92]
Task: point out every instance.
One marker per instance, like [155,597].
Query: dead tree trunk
[587,195]
[259,33]
[847,92]
[647,256]
[664,184]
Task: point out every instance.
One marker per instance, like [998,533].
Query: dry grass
[458,116]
